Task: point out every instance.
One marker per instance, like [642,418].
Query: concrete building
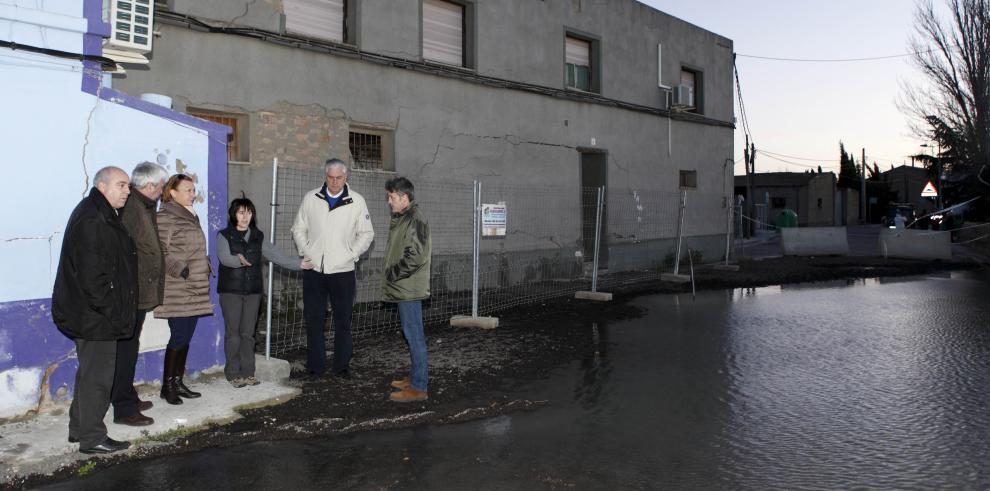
[811,195]
[555,94]
[905,183]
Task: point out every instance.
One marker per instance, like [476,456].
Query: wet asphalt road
[852,384]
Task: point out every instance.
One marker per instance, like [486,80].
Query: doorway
[594,174]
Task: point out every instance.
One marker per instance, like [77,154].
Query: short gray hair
[148,174]
[334,163]
[103,175]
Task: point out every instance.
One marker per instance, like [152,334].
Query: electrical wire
[105,62]
[834,60]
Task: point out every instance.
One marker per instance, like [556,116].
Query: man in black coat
[94,303]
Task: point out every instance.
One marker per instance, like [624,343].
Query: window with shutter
[692,79]
[577,59]
[443,32]
[321,19]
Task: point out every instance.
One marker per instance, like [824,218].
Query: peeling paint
[19,390]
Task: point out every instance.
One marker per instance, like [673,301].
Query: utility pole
[862,189]
[749,190]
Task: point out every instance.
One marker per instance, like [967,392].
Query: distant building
[905,183]
[811,195]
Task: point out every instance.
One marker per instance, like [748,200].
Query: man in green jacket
[407,282]
[138,216]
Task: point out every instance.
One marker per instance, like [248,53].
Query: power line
[834,60]
[742,105]
[809,166]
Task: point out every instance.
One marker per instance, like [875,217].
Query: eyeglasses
[337,178]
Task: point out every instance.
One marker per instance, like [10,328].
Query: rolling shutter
[443,32]
[322,19]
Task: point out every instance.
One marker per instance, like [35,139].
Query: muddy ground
[472,372]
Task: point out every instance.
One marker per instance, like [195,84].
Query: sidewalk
[39,444]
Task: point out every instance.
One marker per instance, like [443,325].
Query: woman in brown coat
[187,281]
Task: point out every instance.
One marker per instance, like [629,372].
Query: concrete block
[597,296]
[675,278]
[270,370]
[477,322]
[814,241]
[915,244]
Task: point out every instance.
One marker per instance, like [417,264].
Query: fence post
[728,227]
[475,248]
[598,238]
[680,230]
[474,320]
[271,267]
[594,294]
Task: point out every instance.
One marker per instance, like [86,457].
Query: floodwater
[875,384]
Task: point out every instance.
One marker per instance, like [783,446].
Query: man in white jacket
[332,229]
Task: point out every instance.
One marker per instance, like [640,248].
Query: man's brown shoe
[145,405]
[402,384]
[136,419]
[408,394]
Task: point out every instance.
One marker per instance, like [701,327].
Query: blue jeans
[182,330]
[411,315]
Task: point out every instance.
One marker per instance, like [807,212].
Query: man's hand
[244,261]
[306,263]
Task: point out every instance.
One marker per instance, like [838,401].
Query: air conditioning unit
[131,24]
[683,96]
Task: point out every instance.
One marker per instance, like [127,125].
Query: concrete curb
[39,445]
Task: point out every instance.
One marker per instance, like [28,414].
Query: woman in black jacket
[240,249]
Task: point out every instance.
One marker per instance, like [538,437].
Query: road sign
[929,190]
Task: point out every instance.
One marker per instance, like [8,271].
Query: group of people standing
[124,255]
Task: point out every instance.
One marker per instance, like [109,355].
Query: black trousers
[91,399]
[123,397]
[340,287]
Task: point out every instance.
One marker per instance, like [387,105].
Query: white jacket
[332,239]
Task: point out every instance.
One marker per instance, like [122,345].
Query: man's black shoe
[136,419]
[73,439]
[108,446]
[344,374]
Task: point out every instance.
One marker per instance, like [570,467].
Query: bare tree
[954,110]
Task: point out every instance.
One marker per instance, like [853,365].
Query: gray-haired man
[138,216]
[332,229]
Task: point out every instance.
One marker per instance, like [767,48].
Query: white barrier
[814,241]
[915,244]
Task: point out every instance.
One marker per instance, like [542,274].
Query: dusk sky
[803,109]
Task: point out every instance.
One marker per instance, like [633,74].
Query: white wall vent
[683,96]
[131,24]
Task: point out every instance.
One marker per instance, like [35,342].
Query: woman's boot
[170,391]
[181,371]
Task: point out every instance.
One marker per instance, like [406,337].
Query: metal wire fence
[546,251]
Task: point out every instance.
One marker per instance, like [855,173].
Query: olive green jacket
[407,257]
